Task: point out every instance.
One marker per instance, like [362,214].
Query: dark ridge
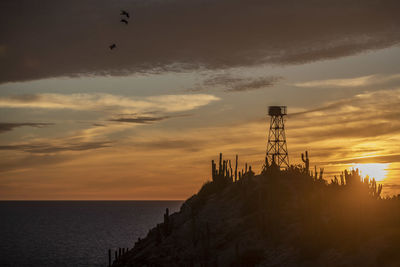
[290,217]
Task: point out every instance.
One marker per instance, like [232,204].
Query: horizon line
[3,200]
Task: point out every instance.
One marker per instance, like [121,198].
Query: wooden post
[116,256]
[109,257]
[119,253]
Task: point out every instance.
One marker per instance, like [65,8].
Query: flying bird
[124,21]
[113,46]
[125,13]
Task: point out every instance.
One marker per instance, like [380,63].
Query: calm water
[73,233]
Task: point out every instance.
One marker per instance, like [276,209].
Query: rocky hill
[289,217]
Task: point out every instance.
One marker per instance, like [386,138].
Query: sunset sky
[187,80]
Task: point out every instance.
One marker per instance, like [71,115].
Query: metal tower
[277,149]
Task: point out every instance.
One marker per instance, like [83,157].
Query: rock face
[277,218]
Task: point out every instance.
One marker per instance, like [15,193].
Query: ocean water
[73,233]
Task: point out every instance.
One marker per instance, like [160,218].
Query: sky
[189,79]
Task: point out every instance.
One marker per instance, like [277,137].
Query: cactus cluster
[118,254]
[319,177]
[354,179]
[225,174]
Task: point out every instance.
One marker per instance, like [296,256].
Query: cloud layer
[8,126]
[359,129]
[108,102]
[365,125]
[67,38]
[351,82]
[232,83]
[47,148]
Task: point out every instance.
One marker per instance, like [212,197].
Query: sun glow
[378,171]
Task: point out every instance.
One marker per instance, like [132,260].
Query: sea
[73,233]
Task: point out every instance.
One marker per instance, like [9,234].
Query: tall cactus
[315,173]
[223,168]
[230,170]
[321,173]
[220,164]
[166,222]
[378,194]
[236,165]
[375,190]
[251,173]
[306,162]
[213,170]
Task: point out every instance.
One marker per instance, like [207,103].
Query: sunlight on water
[378,171]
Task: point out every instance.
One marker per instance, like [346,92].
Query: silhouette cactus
[236,165]
[315,173]
[166,222]
[306,162]
[335,181]
[321,173]
[213,170]
[230,170]
[220,164]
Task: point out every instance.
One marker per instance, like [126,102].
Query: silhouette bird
[125,13]
[124,21]
[113,46]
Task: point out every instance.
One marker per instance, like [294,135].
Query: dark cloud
[392,187]
[377,159]
[331,106]
[68,38]
[42,148]
[321,152]
[366,115]
[255,84]
[239,84]
[24,98]
[192,145]
[9,126]
[142,120]
[32,161]
[350,131]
